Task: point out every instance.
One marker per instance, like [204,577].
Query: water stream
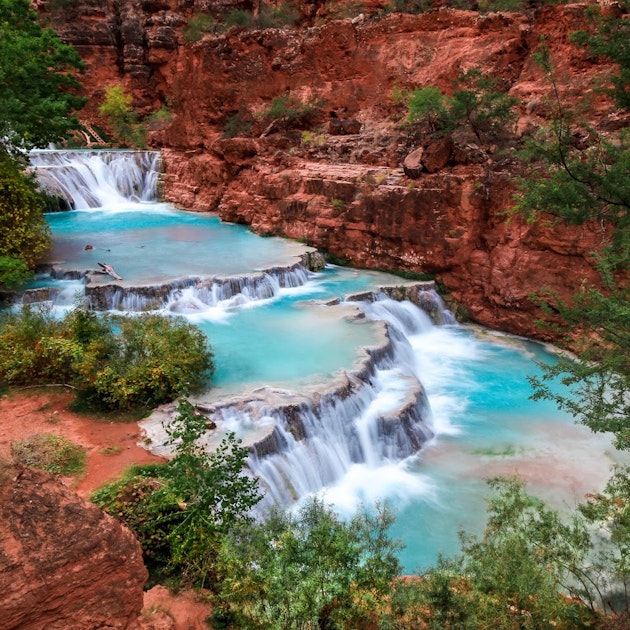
[358,399]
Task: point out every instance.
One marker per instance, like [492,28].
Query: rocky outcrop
[445,213]
[63,563]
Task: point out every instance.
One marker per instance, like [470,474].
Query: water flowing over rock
[63,563]
[98,177]
[374,414]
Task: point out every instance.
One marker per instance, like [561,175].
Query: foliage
[609,515]
[598,384]
[311,570]
[410,6]
[476,104]
[198,25]
[239,124]
[587,182]
[120,363]
[610,38]
[479,103]
[24,233]
[429,105]
[37,87]
[287,112]
[117,109]
[181,511]
[49,452]
[515,576]
[154,359]
[13,272]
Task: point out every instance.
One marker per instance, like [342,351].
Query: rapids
[358,399]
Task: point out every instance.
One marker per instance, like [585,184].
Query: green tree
[578,183]
[38,88]
[429,105]
[115,364]
[610,37]
[38,97]
[479,103]
[117,109]
[517,575]
[182,510]
[311,570]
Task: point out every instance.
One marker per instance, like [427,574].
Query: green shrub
[290,113]
[429,106]
[239,17]
[312,570]
[154,359]
[13,272]
[117,109]
[24,233]
[237,125]
[198,25]
[114,364]
[410,6]
[49,452]
[181,511]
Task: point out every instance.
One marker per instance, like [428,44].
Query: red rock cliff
[349,194]
[63,563]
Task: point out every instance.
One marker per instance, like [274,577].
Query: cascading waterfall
[375,416]
[385,420]
[93,179]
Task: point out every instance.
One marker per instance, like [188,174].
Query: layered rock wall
[63,563]
[349,194]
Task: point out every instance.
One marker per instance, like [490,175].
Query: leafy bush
[24,233]
[198,25]
[287,112]
[13,272]
[476,103]
[237,125]
[117,109]
[429,106]
[49,452]
[181,511]
[410,6]
[311,570]
[118,363]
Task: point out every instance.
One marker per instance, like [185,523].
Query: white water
[93,179]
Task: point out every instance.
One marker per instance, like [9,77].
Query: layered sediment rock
[349,195]
[63,563]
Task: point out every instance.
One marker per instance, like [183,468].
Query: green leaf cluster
[290,113]
[117,109]
[517,575]
[38,88]
[24,233]
[181,511]
[476,104]
[114,363]
[309,570]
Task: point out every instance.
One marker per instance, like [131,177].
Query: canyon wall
[348,194]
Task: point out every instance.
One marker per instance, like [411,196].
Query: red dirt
[111,446]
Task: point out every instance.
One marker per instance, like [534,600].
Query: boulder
[412,164]
[437,154]
[64,563]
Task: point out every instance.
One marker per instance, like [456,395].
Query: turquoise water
[148,243]
[483,420]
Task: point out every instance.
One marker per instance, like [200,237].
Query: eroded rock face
[63,563]
[349,194]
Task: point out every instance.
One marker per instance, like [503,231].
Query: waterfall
[195,295]
[93,179]
[375,416]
